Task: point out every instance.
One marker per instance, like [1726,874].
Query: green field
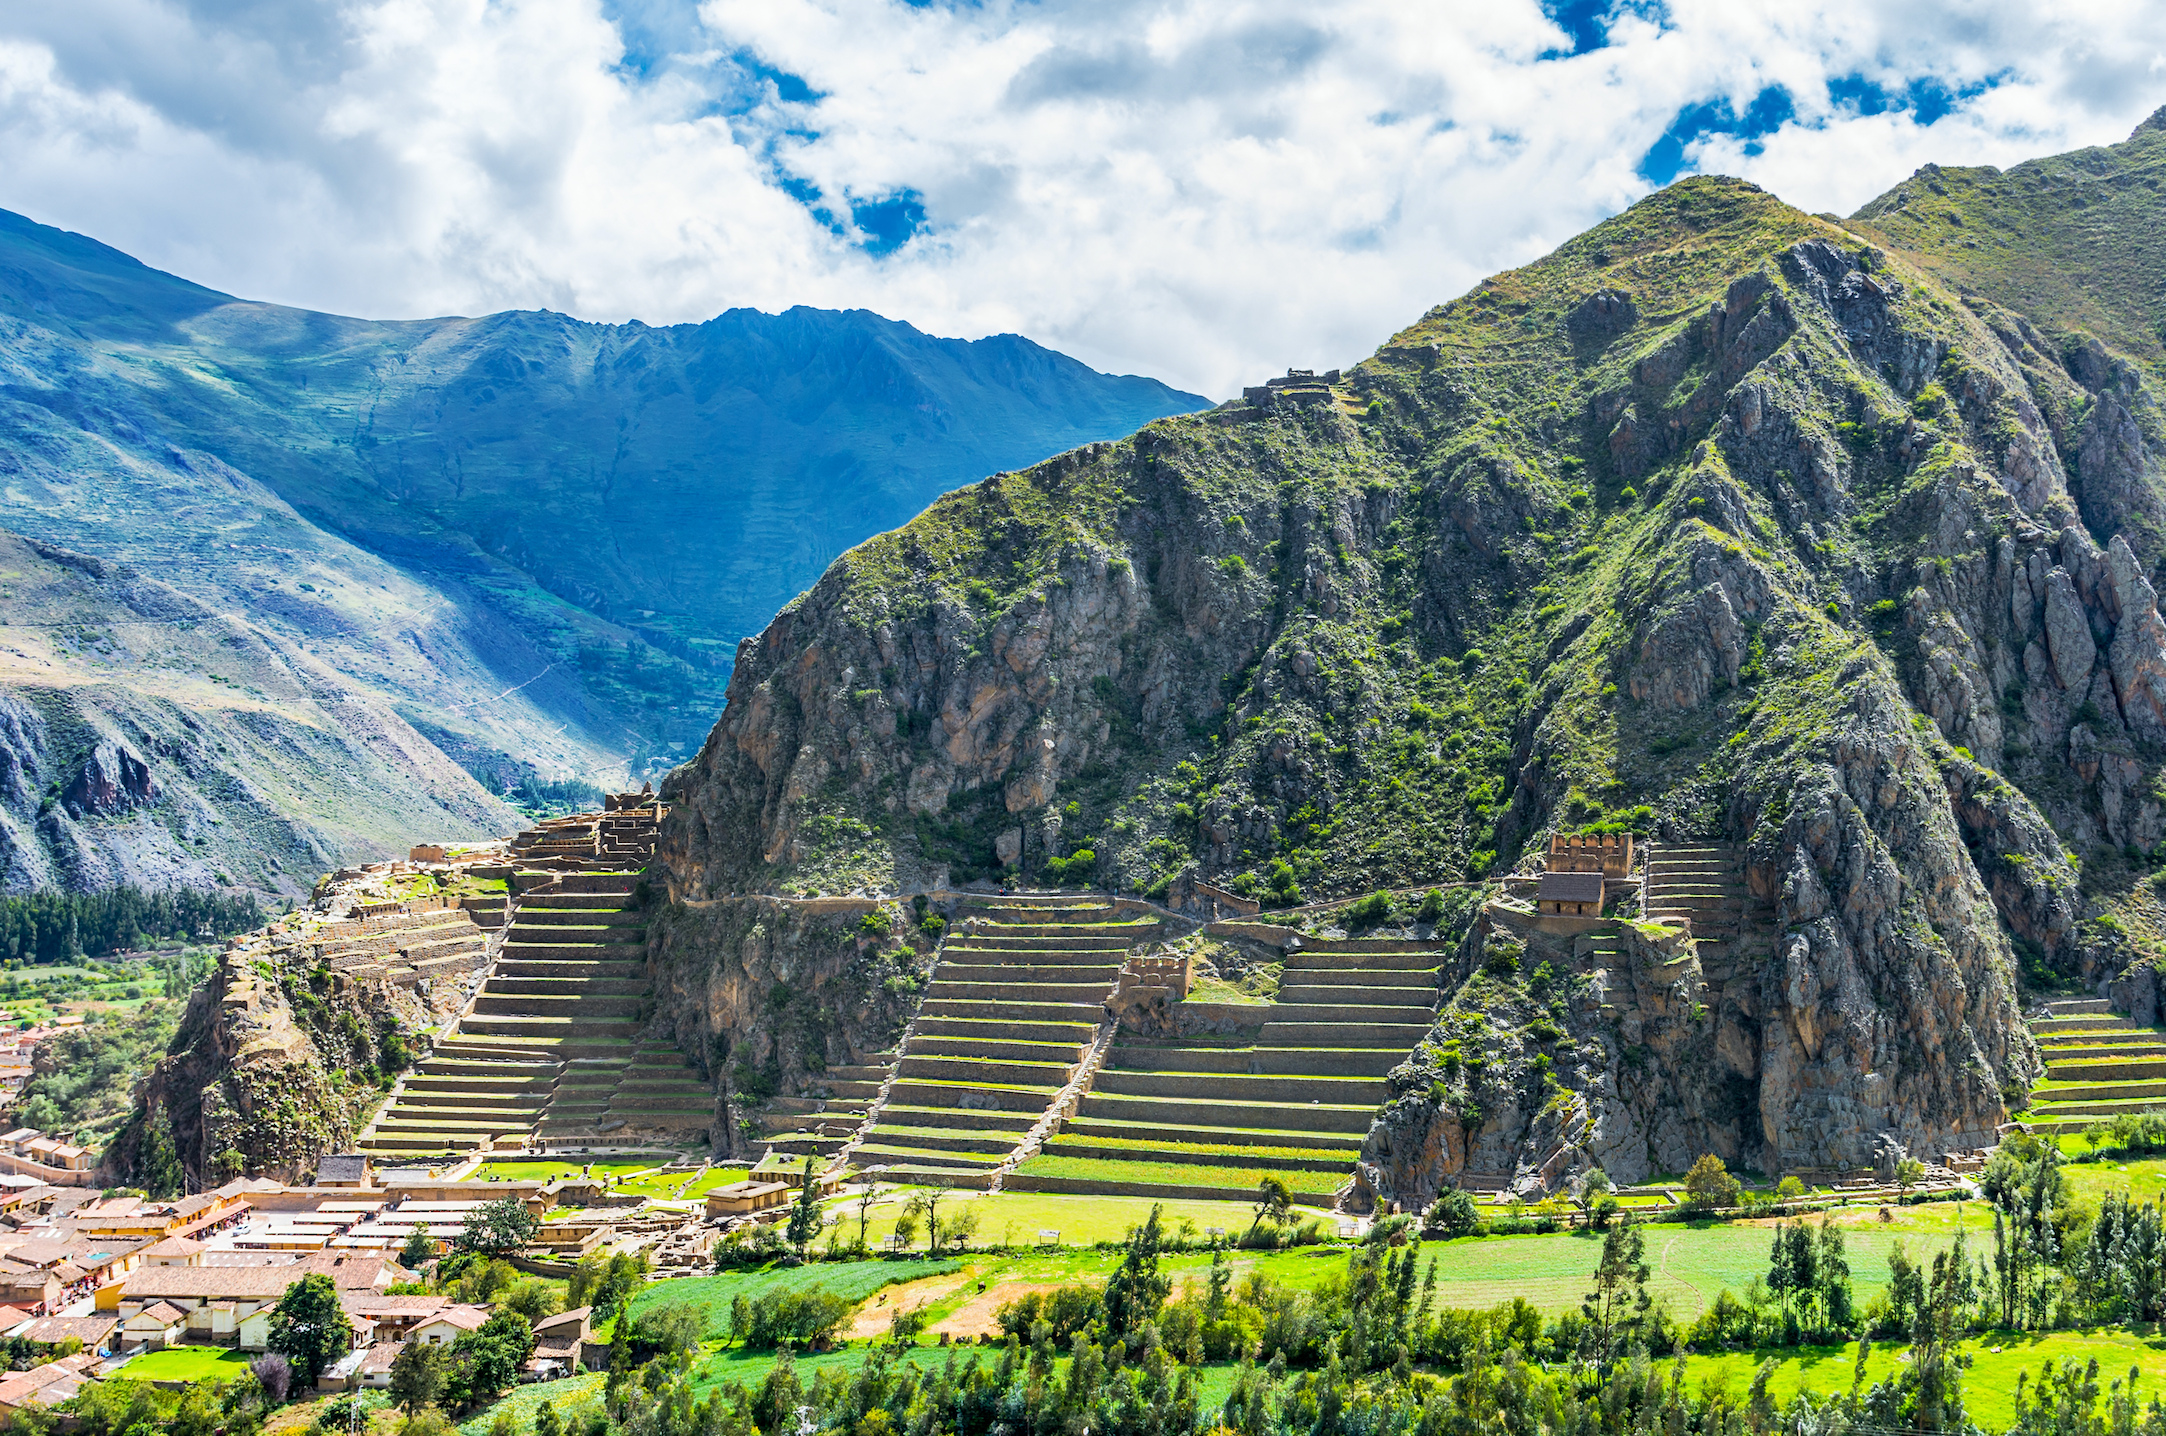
[1988,1386]
[665,1183]
[1177,1174]
[2144,1177]
[546,1171]
[1015,1218]
[187,1363]
[713,1294]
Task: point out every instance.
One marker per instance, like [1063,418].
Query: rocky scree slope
[1721,521]
[538,539]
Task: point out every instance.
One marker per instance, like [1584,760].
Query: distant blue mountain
[620,502]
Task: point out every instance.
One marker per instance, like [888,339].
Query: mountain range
[316,585]
[1828,548]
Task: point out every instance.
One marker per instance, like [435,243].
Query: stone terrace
[1014,1005]
[2098,1066]
[1293,1099]
[551,1047]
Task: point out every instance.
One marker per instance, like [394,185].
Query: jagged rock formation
[1723,520]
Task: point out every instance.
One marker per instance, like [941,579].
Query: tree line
[56,926]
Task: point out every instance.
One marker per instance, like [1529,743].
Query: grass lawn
[1016,1218]
[572,1394]
[665,1182]
[545,1171]
[187,1363]
[713,1294]
[1988,1387]
[2143,1177]
[1692,1263]
[1178,1174]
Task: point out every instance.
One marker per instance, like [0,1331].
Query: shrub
[1709,1184]
[795,1318]
[1369,911]
[1452,1214]
[1432,905]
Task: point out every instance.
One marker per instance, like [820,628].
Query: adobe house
[739,1198]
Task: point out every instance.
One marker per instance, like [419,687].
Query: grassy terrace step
[2147,1045]
[1213,1139]
[909,1115]
[1065,1054]
[1299,1061]
[1336,1013]
[566,951]
[2127,1071]
[1020,1012]
[572,1006]
[873,1154]
[1277,1116]
[1303,995]
[946,1139]
[2047,1111]
[1413,977]
[1312,960]
[2086,1023]
[1220,1087]
[1005,1027]
[2080,1091]
[1078,994]
[966,1069]
[1018,972]
[500,986]
[1065,1146]
[936,1176]
[979,1096]
[1242,1181]
[1351,1033]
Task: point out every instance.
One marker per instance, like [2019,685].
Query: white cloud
[1205,192]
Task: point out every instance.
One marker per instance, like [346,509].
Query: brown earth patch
[977,1316]
[872,1318]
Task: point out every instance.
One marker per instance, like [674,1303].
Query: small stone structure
[1300,386]
[1609,854]
[1570,895]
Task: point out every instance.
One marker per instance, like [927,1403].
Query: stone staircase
[1014,1004]
[550,1048]
[2099,1065]
[1210,1117]
[1705,884]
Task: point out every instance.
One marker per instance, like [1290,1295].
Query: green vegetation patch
[712,1295]
[1175,1174]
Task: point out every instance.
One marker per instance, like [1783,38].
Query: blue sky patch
[1586,21]
[1766,114]
[890,222]
[1928,98]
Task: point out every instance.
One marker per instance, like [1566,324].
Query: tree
[805,1215]
[1620,1288]
[274,1374]
[1909,1172]
[1136,1289]
[1709,1184]
[309,1327]
[864,1212]
[417,1376]
[497,1228]
[420,1246]
[1274,1204]
[485,1362]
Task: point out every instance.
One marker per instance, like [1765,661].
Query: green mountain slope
[535,541]
[1720,522]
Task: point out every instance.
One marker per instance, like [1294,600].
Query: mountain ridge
[534,538]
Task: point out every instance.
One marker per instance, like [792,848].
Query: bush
[1432,906]
[795,1318]
[1709,1184]
[1369,911]
[1452,1214]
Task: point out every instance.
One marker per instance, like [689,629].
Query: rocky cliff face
[769,994]
[1722,522]
[274,1065]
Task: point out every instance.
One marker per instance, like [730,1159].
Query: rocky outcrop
[767,994]
[275,1065]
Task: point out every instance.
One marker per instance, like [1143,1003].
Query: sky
[1204,192]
